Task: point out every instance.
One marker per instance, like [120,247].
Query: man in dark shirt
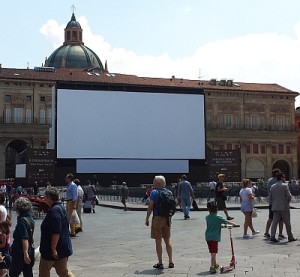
[221,197]
[55,244]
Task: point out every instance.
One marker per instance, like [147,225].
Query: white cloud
[263,58]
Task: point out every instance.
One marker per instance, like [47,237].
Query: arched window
[49,116]
[18,115]
[8,115]
[28,118]
[42,116]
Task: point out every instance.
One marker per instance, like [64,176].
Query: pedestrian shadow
[205,273]
[153,272]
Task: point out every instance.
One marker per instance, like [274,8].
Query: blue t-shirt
[55,222]
[154,196]
[213,227]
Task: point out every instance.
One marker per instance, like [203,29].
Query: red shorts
[212,246]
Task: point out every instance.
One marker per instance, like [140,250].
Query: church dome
[73,53]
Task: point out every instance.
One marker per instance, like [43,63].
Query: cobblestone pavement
[117,243]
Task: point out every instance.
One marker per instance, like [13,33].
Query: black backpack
[166,204]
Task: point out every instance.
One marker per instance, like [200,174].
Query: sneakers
[255,233]
[266,235]
[281,237]
[246,236]
[274,240]
[212,269]
[230,218]
[293,239]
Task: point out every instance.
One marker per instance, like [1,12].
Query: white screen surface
[129,125]
[131,166]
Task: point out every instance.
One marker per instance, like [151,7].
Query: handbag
[254,212]
[195,206]
[74,218]
[224,197]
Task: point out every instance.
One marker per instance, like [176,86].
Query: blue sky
[248,40]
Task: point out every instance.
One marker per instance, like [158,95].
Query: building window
[8,115]
[262,123]
[42,116]
[280,122]
[28,119]
[28,98]
[255,148]
[288,149]
[247,121]
[220,121]
[236,122]
[49,119]
[229,146]
[74,35]
[228,121]
[254,122]
[236,147]
[263,149]
[42,99]
[280,149]
[7,98]
[248,149]
[274,150]
[18,115]
[221,147]
[287,123]
[272,123]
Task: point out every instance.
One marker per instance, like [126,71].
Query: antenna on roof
[200,76]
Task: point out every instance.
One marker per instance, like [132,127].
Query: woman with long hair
[247,205]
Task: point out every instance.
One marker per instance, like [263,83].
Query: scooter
[232,262]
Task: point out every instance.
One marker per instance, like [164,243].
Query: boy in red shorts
[213,233]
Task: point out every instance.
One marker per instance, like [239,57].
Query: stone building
[256,119]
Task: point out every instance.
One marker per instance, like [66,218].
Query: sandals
[158,266]
[161,266]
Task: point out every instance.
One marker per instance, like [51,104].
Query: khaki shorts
[160,227]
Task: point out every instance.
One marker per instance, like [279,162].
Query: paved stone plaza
[116,243]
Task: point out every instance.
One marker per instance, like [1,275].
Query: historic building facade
[256,119]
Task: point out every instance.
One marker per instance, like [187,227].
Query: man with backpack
[163,205]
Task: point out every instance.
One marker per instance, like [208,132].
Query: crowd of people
[57,228]
[64,222]
[279,198]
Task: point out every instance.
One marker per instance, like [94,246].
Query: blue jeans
[186,205]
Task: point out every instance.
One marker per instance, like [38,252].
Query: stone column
[2,158]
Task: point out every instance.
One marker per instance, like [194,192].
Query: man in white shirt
[212,187]
[79,205]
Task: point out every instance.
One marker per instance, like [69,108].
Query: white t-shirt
[3,213]
[212,185]
[244,194]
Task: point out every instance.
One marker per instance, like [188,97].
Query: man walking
[55,243]
[220,195]
[185,192]
[271,182]
[124,192]
[71,196]
[280,198]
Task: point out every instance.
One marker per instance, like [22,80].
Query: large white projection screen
[95,124]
